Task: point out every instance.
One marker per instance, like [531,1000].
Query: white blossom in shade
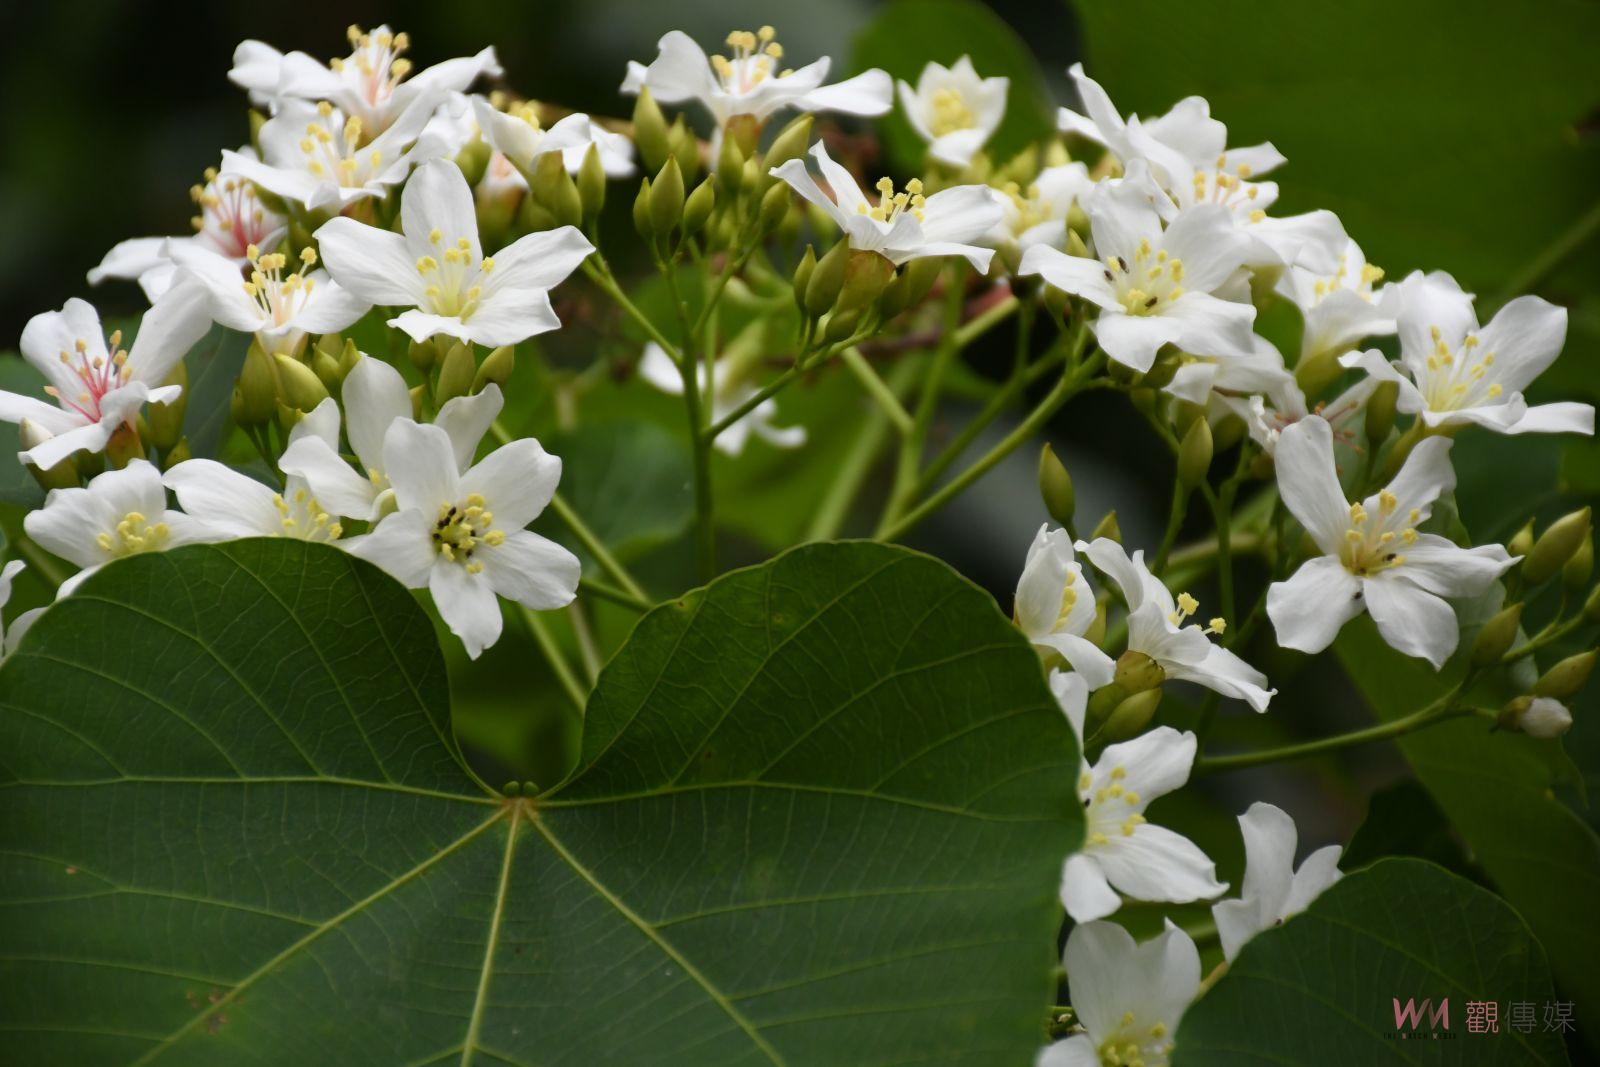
[1373,557]
[1072,694]
[1544,717]
[1154,285]
[1158,627]
[1200,378]
[1124,854]
[1341,307]
[315,155]
[905,225]
[727,393]
[1313,239]
[119,513]
[1055,606]
[375,397]
[97,385]
[1281,404]
[280,308]
[954,110]
[752,80]
[1129,997]
[233,504]
[1453,373]
[437,269]
[517,134]
[11,635]
[371,83]
[461,534]
[1273,889]
[1038,214]
[231,218]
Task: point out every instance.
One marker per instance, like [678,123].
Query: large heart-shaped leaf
[819,819]
[1345,982]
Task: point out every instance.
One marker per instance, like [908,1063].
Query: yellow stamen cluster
[1136,1046]
[454,281]
[133,535]
[752,59]
[527,112]
[1102,823]
[1032,209]
[1373,546]
[99,374]
[1153,278]
[332,148]
[280,298]
[950,112]
[462,528]
[892,204]
[1217,186]
[1461,378]
[303,517]
[375,63]
[1187,606]
[1364,280]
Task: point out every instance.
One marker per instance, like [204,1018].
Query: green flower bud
[1227,432]
[1575,575]
[1380,413]
[326,368]
[750,177]
[1104,701]
[790,143]
[1522,543]
[866,275]
[1538,717]
[474,160]
[165,421]
[641,213]
[697,209]
[1055,486]
[535,217]
[1494,640]
[650,131]
[1108,528]
[592,185]
[419,394]
[1555,546]
[1315,374]
[1566,678]
[555,191]
[299,388]
[496,368]
[1096,633]
[124,447]
[1163,370]
[349,356]
[177,454]
[456,373]
[666,199]
[423,354]
[1194,454]
[774,206]
[1132,715]
[257,388]
[1137,672]
[685,149]
[730,164]
[1591,607]
[63,475]
[802,275]
[331,343]
[841,324]
[744,131]
[920,275]
[827,279]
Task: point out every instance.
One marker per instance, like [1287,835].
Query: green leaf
[1422,137]
[213,365]
[906,35]
[16,484]
[1321,989]
[1496,789]
[1404,820]
[819,819]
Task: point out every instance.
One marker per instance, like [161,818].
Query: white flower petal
[420,463]
[374,264]
[467,604]
[1411,619]
[532,570]
[1085,893]
[1309,481]
[1312,606]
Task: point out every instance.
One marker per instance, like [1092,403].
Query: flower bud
[496,368]
[474,160]
[650,131]
[802,275]
[1096,633]
[418,395]
[730,164]
[555,191]
[666,199]
[257,389]
[841,324]
[591,184]
[63,475]
[744,131]
[920,274]
[349,356]
[1104,701]
[1591,607]
[1539,717]
[176,454]
[1132,715]
[866,275]
[1315,374]
[423,354]
[750,177]
[1137,672]
[1194,454]
[790,143]
[327,369]
[299,388]
[1380,413]
[1522,543]
[1494,640]
[535,217]
[685,149]
[774,206]
[697,209]
[641,213]
[1055,486]
[124,446]
[1162,371]
[456,372]
[1575,575]
[1555,546]
[1566,678]
[165,421]
[827,279]
[1108,528]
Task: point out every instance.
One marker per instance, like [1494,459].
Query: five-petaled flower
[1273,889]
[954,110]
[1055,607]
[280,308]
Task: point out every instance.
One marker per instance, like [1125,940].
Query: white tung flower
[1122,853]
[99,386]
[11,635]
[375,397]
[1038,214]
[517,134]
[461,535]
[1281,404]
[1273,890]
[1198,379]
[1128,997]
[317,156]
[1340,307]
[905,225]
[1157,628]
[371,83]
[1373,557]
[280,308]
[233,504]
[1542,717]
[1055,606]
[751,80]
[437,268]
[120,513]
[231,220]
[954,110]
[657,368]
[1452,373]
[1154,285]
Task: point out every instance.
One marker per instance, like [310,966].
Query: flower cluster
[380,211]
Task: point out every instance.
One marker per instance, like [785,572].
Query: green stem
[915,440]
[552,652]
[877,389]
[617,596]
[587,650]
[834,509]
[1175,516]
[705,533]
[1439,711]
[599,273]
[1549,635]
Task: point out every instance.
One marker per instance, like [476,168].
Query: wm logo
[1412,1013]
